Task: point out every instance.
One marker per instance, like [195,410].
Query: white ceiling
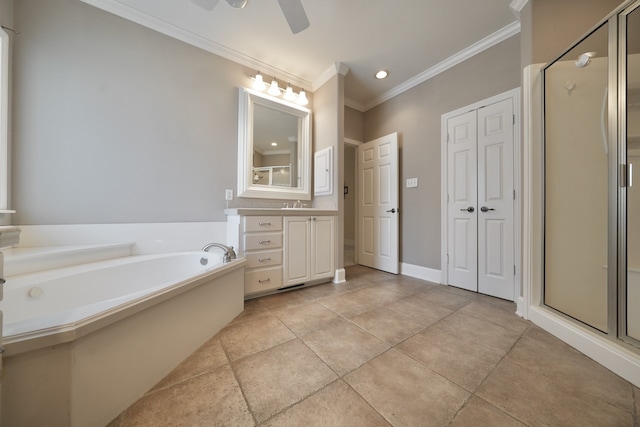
[413,39]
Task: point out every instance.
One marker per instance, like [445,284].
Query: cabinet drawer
[263,259]
[262,241]
[262,223]
[263,279]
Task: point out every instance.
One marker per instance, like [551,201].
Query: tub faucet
[229,253]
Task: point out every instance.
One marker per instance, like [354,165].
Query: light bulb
[288,94]
[274,90]
[302,98]
[258,82]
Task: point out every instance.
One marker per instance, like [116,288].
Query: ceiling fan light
[258,82]
[288,94]
[238,4]
[274,90]
[302,98]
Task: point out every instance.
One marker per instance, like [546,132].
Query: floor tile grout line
[235,376]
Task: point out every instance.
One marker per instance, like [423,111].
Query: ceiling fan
[292,9]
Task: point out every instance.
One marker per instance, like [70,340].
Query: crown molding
[356,105]
[131,14]
[335,69]
[481,45]
[516,7]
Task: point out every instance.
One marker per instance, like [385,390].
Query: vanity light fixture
[302,98]
[382,74]
[274,90]
[258,82]
[288,94]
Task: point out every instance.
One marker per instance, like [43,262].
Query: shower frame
[617,176]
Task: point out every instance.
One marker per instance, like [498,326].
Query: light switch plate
[228,195]
[412,182]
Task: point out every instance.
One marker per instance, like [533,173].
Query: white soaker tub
[83,343]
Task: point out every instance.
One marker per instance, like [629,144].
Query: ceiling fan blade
[206,4]
[295,15]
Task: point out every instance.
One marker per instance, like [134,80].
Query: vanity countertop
[280,211]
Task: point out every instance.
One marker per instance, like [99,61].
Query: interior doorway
[350,198]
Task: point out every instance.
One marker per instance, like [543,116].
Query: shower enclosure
[591,202]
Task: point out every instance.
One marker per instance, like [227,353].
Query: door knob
[486,209]
[392,210]
[469,209]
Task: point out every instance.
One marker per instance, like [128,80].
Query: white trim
[352,142]
[514,95]
[146,20]
[517,6]
[479,46]
[612,356]
[340,276]
[356,105]
[336,68]
[419,272]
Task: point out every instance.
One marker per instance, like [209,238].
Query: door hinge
[514,194]
[447,259]
[514,269]
[447,197]
[447,137]
[514,119]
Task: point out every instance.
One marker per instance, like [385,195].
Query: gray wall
[353,124]
[415,115]
[116,123]
[552,25]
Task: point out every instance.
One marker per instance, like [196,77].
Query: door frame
[354,143]
[514,96]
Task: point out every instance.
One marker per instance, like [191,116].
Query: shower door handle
[470,209]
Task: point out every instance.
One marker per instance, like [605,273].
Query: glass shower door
[576,157]
[633,161]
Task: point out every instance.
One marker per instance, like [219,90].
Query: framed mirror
[274,148]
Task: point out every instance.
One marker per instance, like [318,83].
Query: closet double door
[480,200]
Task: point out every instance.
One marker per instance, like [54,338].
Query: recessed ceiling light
[274,144]
[382,74]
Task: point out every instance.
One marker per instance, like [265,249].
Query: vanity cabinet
[309,249]
[283,247]
[261,243]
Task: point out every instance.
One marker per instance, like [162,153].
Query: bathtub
[83,343]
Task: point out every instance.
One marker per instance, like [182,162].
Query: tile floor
[384,350]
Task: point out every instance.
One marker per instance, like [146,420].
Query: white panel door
[495,200]
[462,191]
[378,216]
[480,189]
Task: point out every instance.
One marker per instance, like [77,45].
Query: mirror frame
[247,99]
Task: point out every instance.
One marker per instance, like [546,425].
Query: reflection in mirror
[576,157]
[274,148]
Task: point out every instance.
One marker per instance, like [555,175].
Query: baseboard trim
[340,276]
[612,356]
[419,272]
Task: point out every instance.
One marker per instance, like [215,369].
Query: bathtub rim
[47,337]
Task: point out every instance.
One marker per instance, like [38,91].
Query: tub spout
[229,253]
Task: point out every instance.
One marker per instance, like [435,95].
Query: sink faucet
[297,204]
[229,253]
